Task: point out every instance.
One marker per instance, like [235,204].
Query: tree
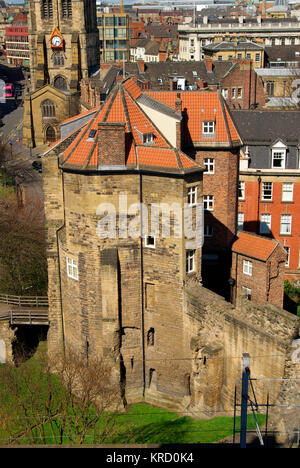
[23,262]
[65,400]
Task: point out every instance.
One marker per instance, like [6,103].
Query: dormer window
[147,138]
[208,128]
[278,158]
[279,155]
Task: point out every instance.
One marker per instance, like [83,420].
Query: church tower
[64,48]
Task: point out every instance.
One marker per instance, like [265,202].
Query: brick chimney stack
[141,66]
[178,104]
[208,64]
[111,143]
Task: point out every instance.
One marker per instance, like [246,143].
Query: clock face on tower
[56,41]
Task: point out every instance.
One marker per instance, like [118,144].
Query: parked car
[37,165]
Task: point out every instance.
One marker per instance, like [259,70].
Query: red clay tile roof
[202,106]
[121,106]
[254,246]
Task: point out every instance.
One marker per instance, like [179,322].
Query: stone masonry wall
[221,333]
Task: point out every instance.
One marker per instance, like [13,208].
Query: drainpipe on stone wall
[142,283]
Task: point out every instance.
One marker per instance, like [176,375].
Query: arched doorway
[50,135]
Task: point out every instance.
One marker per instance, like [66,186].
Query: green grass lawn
[152,425]
[141,423]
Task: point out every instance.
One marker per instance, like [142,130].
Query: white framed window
[287,261]
[233,93]
[247,267]
[192,195]
[265,223]
[72,268]
[209,164]
[241,190]
[240,221]
[147,138]
[190,261]
[225,93]
[287,191]
[208,128]
[150,242]
[239,93]
[257,57]
[286,224]
[248,292]
[267,191]
[278,158]
[208,202]
[208,231]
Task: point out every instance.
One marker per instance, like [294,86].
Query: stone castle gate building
[138,301]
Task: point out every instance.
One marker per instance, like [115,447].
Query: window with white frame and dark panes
[286,224]
[240,221]
[247,267]
[241,191]
[208,202]
[192,195]
[248,292]
[209,164]
[266,191]
[278,159]
[190,261]
[208,128]
[265,223]
[72,268]
[150,242]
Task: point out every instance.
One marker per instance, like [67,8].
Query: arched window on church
[66,6]
[50,135]
[48,108]
[47,9]
[60,82]
[58,59]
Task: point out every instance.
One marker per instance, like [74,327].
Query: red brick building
[269,183]
[209,135]
[16,41]
[242,88]
[258,269]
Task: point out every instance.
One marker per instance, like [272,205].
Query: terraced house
[269,190]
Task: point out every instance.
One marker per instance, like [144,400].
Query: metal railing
[24,301]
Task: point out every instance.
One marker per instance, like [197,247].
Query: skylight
[91,135]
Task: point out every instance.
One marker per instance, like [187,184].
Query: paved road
[12,119]
[19,158]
